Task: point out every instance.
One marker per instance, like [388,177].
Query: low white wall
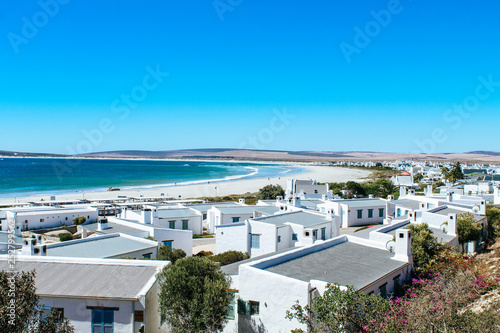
[232,237]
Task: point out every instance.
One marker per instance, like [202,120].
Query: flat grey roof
[114,228]
[86,280]
[4,238]
[174,213]
[269,210]
[301,218]
[237,210]
[311,203]
[448,210]
[362,202]
[346,263]
[98,247]
[206,206]
[407,203]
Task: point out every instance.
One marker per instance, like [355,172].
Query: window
[315,234]
[66,218]
[185,224]
[383,290]
[42,220]
[102,321]
[147,255]
[406,212]
[323,233]
[254,308]
[295,237]
[397,287]
[255,241]
[370,213]
[171,224]
[204,216]
[243,307]
[398,212]
[232,304]
[315,191]
[279,239]
[236,219]
[168,243]
[380,212]
[139,316]
[360,213]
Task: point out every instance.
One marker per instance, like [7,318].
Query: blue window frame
[232,306]
[380,212]
[255,241]
[360,213]
[323,233]
[236,219]
[279,239]
[295,237]
[398,212]
[102,321]
[168,243]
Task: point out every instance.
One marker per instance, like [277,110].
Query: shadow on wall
[250,324]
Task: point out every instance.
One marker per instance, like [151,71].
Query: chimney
[146,216]
[323,197]
[102,224]
[370,196]
[242,201]
[429,190]
[390,197]
[452,225]
[28,246]
[40,250]
[496,195]
[403,245]
[402,192]
[296,202]
[411,192]
[279,198]
[84,232]
[449,196]
[482,208]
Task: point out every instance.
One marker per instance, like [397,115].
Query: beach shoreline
[209,189]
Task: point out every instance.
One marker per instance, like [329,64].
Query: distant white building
[307,189]
[97,295]
[278,232]
[403,179]
[29,218]
[356,212]
[226,215]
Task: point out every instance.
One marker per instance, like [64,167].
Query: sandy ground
[240,186]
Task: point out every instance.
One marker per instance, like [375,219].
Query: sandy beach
[239,186]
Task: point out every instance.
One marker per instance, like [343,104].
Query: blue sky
[296,75]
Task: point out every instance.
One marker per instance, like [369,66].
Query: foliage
[65,237]
[339,310]
[493,217]
[17,289]
[468,228]
[166,253]
[79,220]
[424,245]
[194,295]
[204,254]
[381,188]
[150,238]
[455,173]
[229,257]
[418,177]
[270,192]
[196,236]
[354,190]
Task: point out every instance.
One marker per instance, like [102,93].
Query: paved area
[203,244]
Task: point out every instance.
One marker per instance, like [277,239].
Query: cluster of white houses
[297,245]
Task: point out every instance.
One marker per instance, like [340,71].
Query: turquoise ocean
[33,176]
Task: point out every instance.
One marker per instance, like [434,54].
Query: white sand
[239,186]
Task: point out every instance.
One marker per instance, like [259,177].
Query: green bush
[65,237]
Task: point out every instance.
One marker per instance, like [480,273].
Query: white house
[403,179]
[356,212]
[115,294]
[29,218]
[174,238]
[307,189]
[225,215]
[262,235]
[265,288]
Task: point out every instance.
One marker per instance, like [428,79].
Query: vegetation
[455,173]
[196,236]
[270,192]
[18,292]
[380,188]
[79,220]
[194,295]
[65,237]
[166,253]
[250,198]
[493,217]
[339,310]
[424,245]
[468,228]
[229,257]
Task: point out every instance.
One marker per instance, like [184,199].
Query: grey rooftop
[346,263]
[176,213]
[301,218]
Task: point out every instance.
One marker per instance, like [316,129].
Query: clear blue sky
[226,76]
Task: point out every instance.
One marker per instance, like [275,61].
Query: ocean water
[30,176]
